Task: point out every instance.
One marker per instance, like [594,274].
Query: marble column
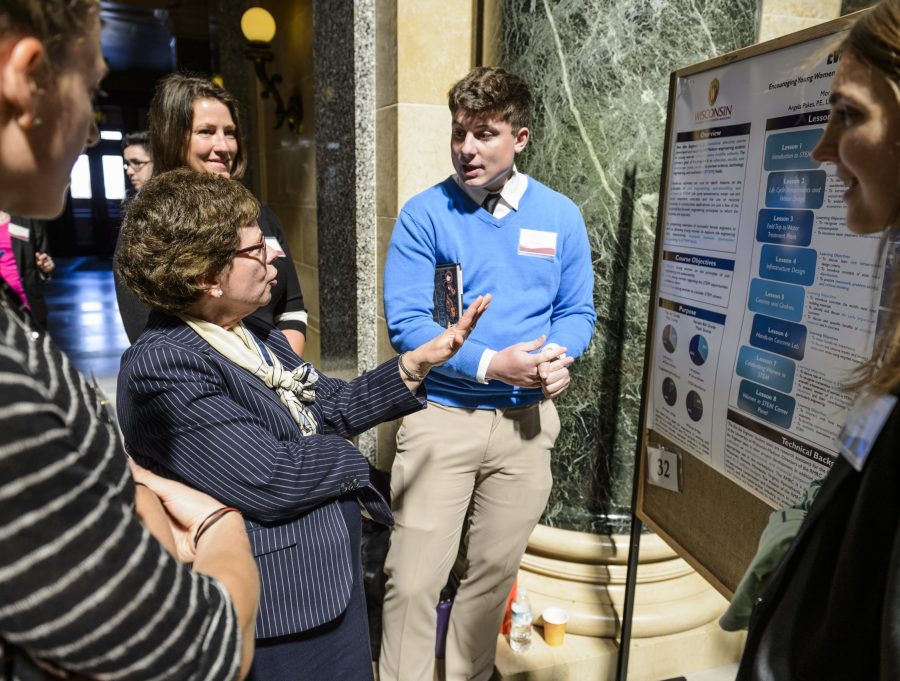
[344,55]
[600,72]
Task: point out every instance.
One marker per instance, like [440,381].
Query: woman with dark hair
[831,610]
[195,123]
[211,396]
[86,589]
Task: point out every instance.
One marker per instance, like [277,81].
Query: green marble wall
[848,6]
[600,70]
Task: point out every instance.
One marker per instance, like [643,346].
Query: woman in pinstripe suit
[216,398]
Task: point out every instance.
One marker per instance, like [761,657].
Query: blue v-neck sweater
[535,261]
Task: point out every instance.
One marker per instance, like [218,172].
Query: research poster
[764,300]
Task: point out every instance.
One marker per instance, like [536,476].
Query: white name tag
[537,244]
[273,245]
[19,232]
[863,425]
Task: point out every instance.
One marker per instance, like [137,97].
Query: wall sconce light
[258,27]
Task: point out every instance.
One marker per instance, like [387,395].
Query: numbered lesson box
[784,227]
[767,404]
[778,336]
[777,299]
[792,150]
[796,189]
[765,368]
[788,264]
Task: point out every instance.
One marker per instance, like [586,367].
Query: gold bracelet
[409,374]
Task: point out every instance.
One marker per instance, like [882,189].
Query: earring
[216,292]
[37,122]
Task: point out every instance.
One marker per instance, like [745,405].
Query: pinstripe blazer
[189,413]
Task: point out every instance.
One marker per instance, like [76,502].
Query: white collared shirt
[510,195]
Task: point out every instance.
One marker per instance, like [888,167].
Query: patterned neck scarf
[295,388]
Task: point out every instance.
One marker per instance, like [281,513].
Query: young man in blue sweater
[475,466]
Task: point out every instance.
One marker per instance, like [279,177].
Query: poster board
[762,301]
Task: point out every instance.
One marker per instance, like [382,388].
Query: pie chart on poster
[698,349]
[669,391]
[670,338]
[694,405]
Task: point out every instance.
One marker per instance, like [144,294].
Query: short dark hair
[493,91]
[56,23]
[182,228]
[172,119]
[140,139]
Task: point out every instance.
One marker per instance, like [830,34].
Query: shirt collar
[511,194]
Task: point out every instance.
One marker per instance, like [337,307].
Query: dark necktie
[490,202]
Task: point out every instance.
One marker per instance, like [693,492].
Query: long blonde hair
[875,41]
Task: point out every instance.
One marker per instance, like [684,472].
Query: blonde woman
[832,608]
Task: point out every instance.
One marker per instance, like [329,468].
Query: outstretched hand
[443,346]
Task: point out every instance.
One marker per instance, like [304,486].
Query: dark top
[832,608]
[285,310]
[83,586]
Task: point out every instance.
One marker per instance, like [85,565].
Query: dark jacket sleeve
[174,408]
[348,409]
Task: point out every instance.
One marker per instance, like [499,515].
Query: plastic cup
[555,620]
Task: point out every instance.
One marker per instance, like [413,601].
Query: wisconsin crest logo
[713,93]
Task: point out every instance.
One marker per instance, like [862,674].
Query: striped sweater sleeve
[83,586]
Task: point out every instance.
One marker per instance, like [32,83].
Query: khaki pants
[483,470]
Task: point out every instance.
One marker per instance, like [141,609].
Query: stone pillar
[415,68]
[780,17]
[344,48]
[285,161]
[336,186]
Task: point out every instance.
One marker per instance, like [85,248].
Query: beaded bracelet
[409,374]
[212,519]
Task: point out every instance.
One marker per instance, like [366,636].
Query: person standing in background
[480,493]
[25,262]
[138,162]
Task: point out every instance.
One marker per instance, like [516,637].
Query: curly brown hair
[493,91]
[180,230]
[172,119]
[56,23]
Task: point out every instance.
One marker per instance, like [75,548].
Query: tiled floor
[84,318]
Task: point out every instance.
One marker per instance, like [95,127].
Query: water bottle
[520,634]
